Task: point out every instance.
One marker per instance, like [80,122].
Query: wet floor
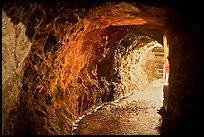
[136,114]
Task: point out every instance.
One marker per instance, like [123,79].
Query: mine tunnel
[104,68]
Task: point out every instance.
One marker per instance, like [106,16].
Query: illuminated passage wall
[61,59]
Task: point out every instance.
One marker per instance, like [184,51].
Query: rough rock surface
[80,56]
[15,49]
[76,62]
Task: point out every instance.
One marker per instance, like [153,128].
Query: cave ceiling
[147,19]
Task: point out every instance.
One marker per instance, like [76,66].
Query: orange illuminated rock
[75,60]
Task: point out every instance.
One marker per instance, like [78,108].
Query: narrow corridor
[136,114]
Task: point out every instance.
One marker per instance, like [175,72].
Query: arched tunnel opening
[100,68]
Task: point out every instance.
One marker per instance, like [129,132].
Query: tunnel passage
[75,61]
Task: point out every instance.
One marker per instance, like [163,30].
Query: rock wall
[138,65]
[80,57]
[184,116]
[15,49]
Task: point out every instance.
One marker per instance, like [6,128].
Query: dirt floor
[136,114]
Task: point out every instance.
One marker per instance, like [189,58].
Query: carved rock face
[79,57]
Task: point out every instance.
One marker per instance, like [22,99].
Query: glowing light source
[166,62]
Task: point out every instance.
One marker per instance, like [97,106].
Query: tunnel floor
[137,114]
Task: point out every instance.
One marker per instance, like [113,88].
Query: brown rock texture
[15,49]
[61,59]
[78,59]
